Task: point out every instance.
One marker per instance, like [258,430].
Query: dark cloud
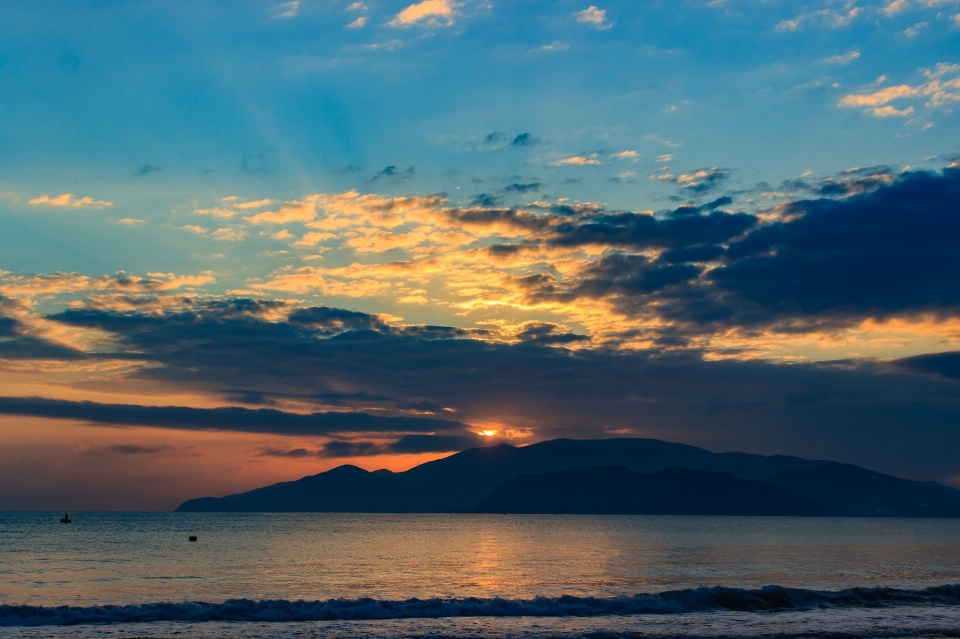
[249,398]
[497,137]
[525,139]
[421,406]
[148,168]
[850,411]
[892,250]
[543,334]
[855,182]
[516,187]
[684,226]
[395,175]
[134,449]
[484,200]
[406,445]
[946,365]
[261,420]
[295,453]
[15,345]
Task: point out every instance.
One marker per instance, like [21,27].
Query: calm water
[142,559]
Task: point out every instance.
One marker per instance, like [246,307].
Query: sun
[487,433]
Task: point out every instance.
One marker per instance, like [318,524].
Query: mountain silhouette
[457,483]
[614,490]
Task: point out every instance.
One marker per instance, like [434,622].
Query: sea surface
[380,575]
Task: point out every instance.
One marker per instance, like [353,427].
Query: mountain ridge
[457,483]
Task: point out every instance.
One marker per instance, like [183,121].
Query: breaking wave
[769,598]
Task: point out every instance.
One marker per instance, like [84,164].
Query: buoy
[193,537]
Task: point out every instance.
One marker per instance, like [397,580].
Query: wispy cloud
[289,9]
[229,234]
[358,23]
[594,17]
[579,160]
[894,7]
[434,13]
[822,17]
[844,58]
[254,204]
[67,200]
[556,45]
[914,30]
[148,168]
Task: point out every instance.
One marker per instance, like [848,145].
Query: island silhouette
[603,476]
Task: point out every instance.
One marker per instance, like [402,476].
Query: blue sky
[766,183]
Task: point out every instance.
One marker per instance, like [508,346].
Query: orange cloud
[68,201]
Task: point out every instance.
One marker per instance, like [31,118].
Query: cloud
[579,160]
[594,17]
[66,283]
[943,365]
[261,420]
[134,449]
[530,390]
[148,168]
[942,91]
[254,204]
[68,201]
[914,30]
[517,187]
[699,181]
[434,13]
[397,175]
[358,23]
[356,6]
[556,45]
[193,228]
[129,221]
[296,211]
[524,139]
[894,7]
[626,155]
[309,239]
[229,234]
[289,9]
[822,17]
[845,58]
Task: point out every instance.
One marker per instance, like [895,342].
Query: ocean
[384,575]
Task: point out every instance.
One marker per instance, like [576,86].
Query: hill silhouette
[614,490]
[457,483]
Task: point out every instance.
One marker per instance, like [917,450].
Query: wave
[769,598]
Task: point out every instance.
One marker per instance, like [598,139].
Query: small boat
[66,519]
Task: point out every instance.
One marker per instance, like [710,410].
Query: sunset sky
[245,242]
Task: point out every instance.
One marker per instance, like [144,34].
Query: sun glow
[487,433]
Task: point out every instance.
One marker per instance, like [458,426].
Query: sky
[245,242]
